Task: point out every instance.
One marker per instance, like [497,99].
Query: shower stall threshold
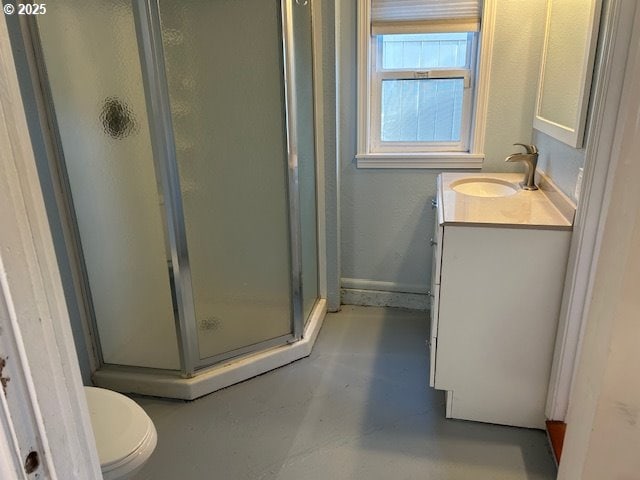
[163,383]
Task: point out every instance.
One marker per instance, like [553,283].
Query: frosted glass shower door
[91,56]
[225,76]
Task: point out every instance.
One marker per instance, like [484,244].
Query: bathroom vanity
[499,260]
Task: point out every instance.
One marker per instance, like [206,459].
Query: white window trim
[471,159]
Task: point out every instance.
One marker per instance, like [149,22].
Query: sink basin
[484,187]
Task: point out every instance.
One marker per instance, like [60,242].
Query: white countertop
[546,208]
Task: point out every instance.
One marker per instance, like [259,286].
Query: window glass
[429,50]
[424,110]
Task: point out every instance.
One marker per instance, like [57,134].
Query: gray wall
[386,219]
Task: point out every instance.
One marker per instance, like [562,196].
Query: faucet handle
[531,149]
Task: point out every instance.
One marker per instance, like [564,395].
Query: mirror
[567,66]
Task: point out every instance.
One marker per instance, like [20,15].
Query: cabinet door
[436,264]
[433,346]
[434,309]
[435,243]
[494,350]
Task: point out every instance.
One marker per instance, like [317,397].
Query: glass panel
[425,110]
[91,56]
[306,154]
[225,74]
[430,50]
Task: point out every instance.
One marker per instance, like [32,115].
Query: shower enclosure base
[161,383]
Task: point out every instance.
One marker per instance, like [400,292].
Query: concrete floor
[358,408]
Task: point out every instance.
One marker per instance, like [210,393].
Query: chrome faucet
[530,160]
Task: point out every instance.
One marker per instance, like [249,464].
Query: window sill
[435,160]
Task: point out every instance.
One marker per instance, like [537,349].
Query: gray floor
[358,408]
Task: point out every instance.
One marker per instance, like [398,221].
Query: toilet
[125,435]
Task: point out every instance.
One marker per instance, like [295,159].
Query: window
[418,83]
[421,92]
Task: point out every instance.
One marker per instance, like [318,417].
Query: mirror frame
[572,135]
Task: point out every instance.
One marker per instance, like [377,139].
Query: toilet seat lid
[120,425]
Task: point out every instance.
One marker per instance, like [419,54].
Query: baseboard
[377,285]
[378,298]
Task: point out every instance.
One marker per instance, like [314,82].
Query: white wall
[603,435]
[386,219]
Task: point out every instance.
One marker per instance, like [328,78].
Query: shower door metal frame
[149,30]
[291,113]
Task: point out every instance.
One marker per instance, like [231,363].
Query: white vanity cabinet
[495,300]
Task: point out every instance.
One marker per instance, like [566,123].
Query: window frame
[377,74]
[470,158]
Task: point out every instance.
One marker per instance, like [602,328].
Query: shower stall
[185,151]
